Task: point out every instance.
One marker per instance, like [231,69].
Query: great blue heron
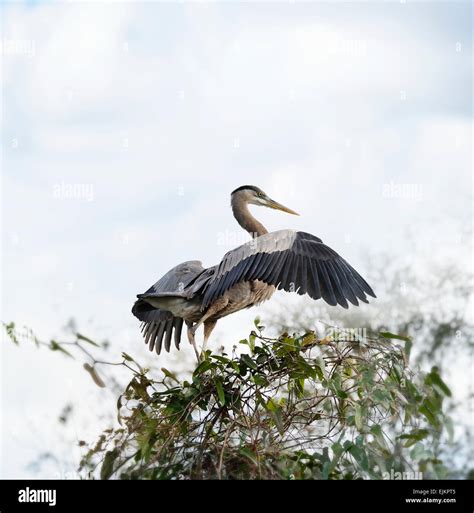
[246,276]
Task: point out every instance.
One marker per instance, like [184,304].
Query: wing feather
[336,284]
[159,337]
[168,332]
[292,261]
[326,287]
[178,328]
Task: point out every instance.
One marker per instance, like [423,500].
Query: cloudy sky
[126,126]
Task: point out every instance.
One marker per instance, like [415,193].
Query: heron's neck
[246,219]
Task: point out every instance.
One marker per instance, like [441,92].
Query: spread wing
[160,326]
[292,261]
[177,280]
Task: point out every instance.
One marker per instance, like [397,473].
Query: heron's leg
[212,310]
[208,327]
[191,338]
[217,306]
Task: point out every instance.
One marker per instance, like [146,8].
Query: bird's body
[248,275]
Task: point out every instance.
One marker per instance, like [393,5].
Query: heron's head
[255,196]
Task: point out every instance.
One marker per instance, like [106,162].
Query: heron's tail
[158,326]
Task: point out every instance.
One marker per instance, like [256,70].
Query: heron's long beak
[278,206]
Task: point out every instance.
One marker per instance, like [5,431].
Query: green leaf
[326,469]
[252,338]
[434,378]
[257,324]
[54,346]
[448,424]
[338,450]
[430,416]
[309,339]
[220,391]
[320,367]
[376,430]
[245,451]
[107,468]
[169,374]
[400,396]
[358,417]
[221,359]
[277,417]
[271,405]
[10,329]
[381,396]
[413,437]
[260,380]
[248,361]
[420,452]
[300,386]
[360,456]
[86,339]
[387,334]
[203,367]
[408,346]
[127,357]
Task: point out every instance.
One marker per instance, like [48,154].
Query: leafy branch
[293,407]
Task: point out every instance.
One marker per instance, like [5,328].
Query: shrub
[294,407]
